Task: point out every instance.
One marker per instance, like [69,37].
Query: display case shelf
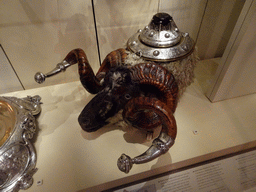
[69,159]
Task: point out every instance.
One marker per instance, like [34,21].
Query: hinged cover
[161,40]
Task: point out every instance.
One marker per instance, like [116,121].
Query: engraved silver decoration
[161,40]
[159,146]
[17,154]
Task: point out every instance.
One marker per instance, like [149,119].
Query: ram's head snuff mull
[144,88]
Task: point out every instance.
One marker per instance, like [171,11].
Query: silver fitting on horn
[159,146]
[40,77]
[161,40]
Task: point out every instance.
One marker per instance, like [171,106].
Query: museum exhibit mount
[17,154]
[140,84]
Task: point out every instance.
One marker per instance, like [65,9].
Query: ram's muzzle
[97,111]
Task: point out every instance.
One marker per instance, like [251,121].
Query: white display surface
[69,159]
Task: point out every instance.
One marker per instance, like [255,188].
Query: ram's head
[146,92]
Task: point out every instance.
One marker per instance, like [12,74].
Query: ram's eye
[119,80]
[127,96]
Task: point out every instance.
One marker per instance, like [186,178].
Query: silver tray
[17,154]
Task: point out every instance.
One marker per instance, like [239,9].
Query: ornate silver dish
[17,154]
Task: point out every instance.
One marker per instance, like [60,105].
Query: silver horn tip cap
[39,77]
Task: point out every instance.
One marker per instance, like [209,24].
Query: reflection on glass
[7,121]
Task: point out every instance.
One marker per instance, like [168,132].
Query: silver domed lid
[161,40]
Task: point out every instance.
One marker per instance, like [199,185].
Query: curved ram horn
[113,59]
[155,81]
[88,79]
[162,143]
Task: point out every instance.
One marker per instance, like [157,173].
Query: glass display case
[214,123]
